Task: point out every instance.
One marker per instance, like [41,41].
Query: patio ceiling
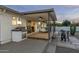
[36,17]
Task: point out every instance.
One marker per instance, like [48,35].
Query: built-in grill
[19,34]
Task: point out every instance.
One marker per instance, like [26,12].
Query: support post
[49,28]
[51,32]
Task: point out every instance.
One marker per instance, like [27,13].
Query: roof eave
[9,9]
[38,11]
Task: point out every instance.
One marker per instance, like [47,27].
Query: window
[19,21]
[14,22]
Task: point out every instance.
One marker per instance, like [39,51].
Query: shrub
[66,23]
[72,29]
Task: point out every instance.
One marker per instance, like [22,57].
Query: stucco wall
[6,26]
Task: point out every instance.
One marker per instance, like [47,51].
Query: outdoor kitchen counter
[18,35]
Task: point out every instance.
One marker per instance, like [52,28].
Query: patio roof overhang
[42,13]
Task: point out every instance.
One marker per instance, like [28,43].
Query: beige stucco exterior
[6,25]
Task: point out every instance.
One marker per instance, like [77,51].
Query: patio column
[51,31]
[49,27]
[54,19]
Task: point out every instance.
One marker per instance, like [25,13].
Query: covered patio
[39,24]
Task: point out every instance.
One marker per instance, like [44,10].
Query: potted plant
[72,29]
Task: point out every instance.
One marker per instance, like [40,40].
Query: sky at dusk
[63,12]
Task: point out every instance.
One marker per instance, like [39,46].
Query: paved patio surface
[73,43]
[77,34]
[51,47]
[65,50]
[41,46]
[64,47]
[26,46]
